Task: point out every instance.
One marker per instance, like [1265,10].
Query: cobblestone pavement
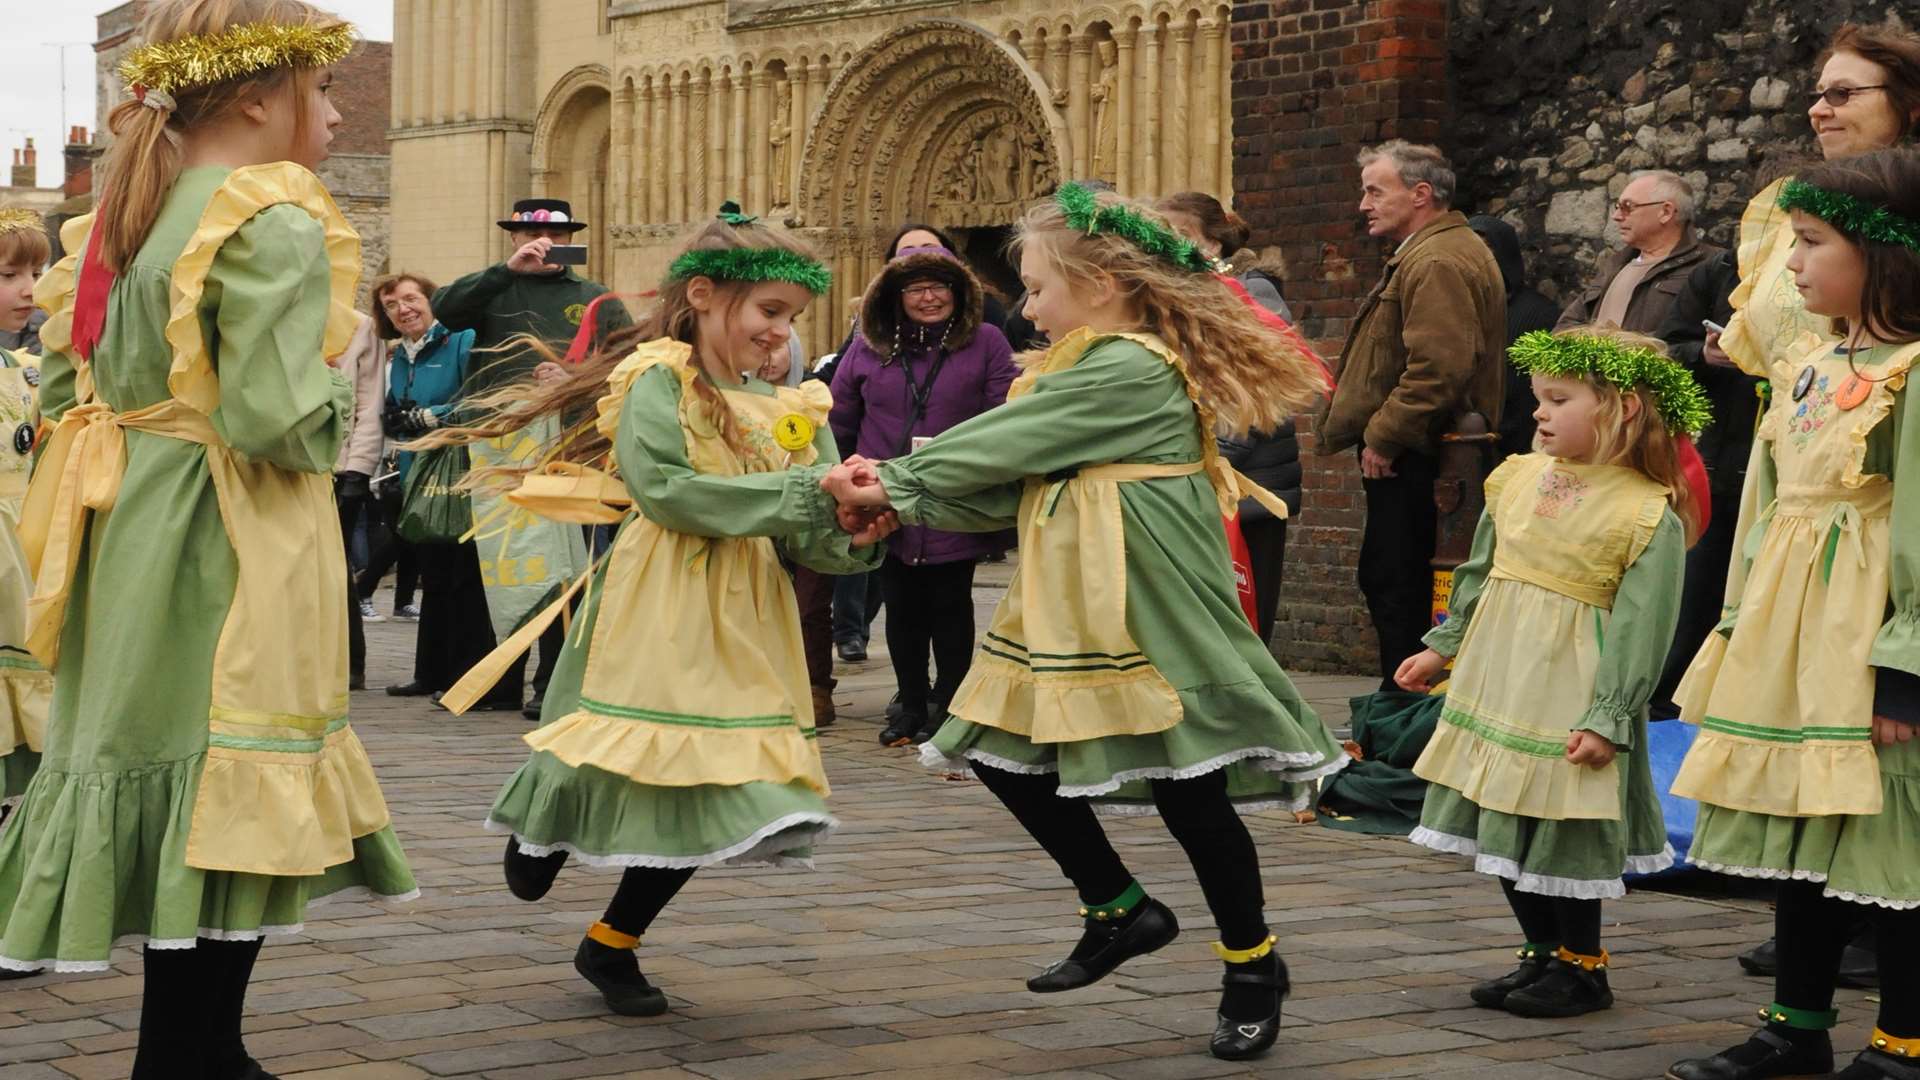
[902,955]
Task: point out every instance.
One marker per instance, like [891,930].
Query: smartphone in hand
[567,254]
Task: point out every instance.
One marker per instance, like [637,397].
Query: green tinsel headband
[1850,215]
[751,264]
[1085,214]
[1682,404]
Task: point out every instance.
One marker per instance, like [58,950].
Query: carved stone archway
[938,118]
[572,145]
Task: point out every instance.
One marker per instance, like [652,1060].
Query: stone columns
[1079,117]
[645,153]
[1123,40]
[662,146]
[619,200]
[760,120]
[737,140]
[1215,155]
[717,189]
[800,101]
[1179,114]
[1149,130]
[677,148]
[697,139]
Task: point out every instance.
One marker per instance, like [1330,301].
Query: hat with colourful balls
[542,214]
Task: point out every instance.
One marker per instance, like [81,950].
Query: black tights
[1556,920]
[642,893]
[190,1008]
[1812,930]
[1198,814]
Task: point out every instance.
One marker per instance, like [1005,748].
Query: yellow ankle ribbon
[611,938]
[1243,956]
[1584,963]
[1887,1044]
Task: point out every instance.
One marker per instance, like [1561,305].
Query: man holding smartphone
[535,292]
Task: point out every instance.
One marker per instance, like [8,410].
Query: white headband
[155,99]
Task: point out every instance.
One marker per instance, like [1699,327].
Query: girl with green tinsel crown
[1119,670]
[199,782]
[1806,766]
[678,731]
[1558,625]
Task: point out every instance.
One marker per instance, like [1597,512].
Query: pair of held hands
[862,509]
[1417,673]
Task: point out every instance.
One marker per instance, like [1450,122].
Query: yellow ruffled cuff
[1893,376]
[1507,781]
[1000,693]
[284,813]
[677,755]
[1813,779]
[246,192]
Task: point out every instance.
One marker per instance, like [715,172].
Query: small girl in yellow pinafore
[1559,623]
[25,686]
[1807,765]
[678,730]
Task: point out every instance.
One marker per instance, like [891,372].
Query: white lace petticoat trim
[746,852]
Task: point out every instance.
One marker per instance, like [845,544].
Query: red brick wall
[362,91]
[1315,81]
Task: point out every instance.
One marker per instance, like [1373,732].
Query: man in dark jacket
[1634,288]
[1724,447]
[1428,346]
[1527,310]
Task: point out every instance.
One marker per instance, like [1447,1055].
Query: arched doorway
[937,121]
[572,150]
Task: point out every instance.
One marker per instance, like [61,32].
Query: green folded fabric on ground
[1379,793]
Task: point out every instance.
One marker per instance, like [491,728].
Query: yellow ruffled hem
[1781,779]
[673,755]
[25,697]
[1507,781]
[999,693]
[290,814]
[246,192]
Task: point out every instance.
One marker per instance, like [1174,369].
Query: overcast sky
[30,67]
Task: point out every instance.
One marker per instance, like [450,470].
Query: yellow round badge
[793,432]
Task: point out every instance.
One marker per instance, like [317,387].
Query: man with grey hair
[1428,346]
[1635,288]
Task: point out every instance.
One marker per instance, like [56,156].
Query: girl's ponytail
[140,169]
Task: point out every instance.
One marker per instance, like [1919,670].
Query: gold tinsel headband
[201,60]
[18,219]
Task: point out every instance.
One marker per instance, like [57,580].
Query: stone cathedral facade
[843,118]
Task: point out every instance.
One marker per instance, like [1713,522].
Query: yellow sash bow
[85,460]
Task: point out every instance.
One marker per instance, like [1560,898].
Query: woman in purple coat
[923,362]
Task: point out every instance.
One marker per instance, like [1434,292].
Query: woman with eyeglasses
[1867,98]
[923,361]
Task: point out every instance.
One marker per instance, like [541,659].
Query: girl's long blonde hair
[514,406]
[1251,377]
[1640,442]
[144,160]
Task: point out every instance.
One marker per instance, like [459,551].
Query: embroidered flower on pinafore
[1811,413]
[1558,492]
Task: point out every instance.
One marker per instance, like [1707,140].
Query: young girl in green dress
[1558,625]
[199,782]
[1807,767]
[1120,668]
[678,731]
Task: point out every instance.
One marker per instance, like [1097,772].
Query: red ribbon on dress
[90,300]
[583,338]
[1694,471]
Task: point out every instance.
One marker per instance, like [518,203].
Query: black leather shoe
[1859,964]
[1767,1054]
[530,876]
[1562,990]
[1106,946]
[496,705]
[901,729]
[1492,994]
[1762,960]
[851,651]
[412,689]
[1238,1040]
[1877,1065]
[935,717]
[531,710]
[616,974]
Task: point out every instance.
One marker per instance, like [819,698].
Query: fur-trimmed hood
[880,311]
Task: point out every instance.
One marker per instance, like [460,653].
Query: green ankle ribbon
[1801,1019]
[1117,907]
[1533,950]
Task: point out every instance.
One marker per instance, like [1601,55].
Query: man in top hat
[525,295]
[524,557]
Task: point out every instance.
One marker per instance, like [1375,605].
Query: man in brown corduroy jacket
[1426,348]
